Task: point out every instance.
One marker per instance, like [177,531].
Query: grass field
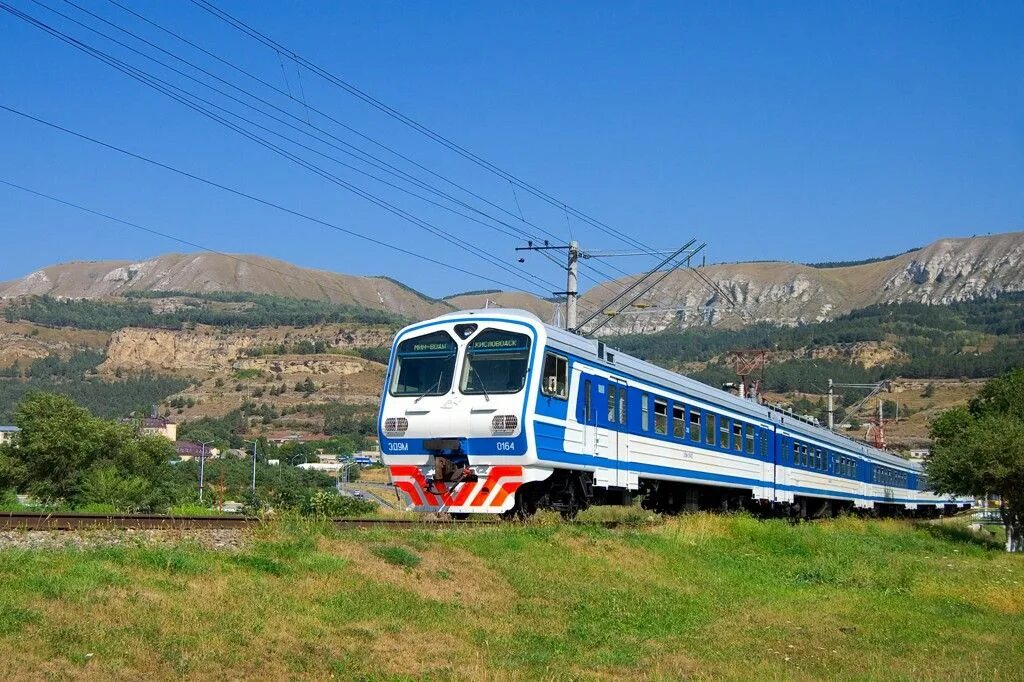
[705,596]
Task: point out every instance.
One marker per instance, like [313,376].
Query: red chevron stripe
[409,488]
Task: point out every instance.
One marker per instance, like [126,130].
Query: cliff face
[206,350]
[954,270]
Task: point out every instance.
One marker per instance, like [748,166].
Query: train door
[622,439]
[588,416]
[605,401]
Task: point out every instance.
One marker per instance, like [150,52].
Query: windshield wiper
[437,384]
[481,380]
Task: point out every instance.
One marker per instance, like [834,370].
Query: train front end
[453,425]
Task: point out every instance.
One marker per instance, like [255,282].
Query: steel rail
[77,521]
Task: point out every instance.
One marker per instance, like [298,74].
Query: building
[187,450]
[7,433]
[369,456]
[154,426]
[919,455]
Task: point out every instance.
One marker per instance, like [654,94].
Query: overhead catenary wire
[377,162]
[382,165]
[167,89]
[411,123]
[341,124]
[346,147]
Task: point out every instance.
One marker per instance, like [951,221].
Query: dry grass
[695,596]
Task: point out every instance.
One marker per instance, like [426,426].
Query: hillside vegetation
[231,310]
[701,596]
[76,378]
[972,339]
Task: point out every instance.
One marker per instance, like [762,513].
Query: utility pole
[831,407]
[873,390]
[572,285]
[573,255]
[571,267]
[202,469]
[253,484]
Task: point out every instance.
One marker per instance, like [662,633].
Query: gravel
[217,539]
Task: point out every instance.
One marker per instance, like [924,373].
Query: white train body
[484,410]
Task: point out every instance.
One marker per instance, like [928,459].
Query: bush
[329,504]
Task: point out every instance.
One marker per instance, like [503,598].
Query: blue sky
[795,131]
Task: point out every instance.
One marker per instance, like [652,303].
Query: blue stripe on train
[550,447]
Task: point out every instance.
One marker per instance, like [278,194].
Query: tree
[979,450]
[65,453]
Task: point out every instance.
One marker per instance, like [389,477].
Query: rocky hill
[946,271]
[211,272]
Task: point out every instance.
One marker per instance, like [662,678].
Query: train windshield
[424,365]
[496,362]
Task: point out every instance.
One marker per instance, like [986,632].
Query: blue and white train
[492,411]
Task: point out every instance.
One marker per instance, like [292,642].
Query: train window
[645,416]
[496,362]
[586,401]
[803,456]
[678,422]
[750,439]
[737,436]
[694,425]
[622,404]
[709,428]
[796,452]
[660,416]
[612,398]
[764,444]
[723,433]
[555,381]
[424,365]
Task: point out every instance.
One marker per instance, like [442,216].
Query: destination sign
[496,341]
[432,346]
[438,342]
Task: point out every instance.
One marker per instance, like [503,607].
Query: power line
[406,120]
[186,242]
[252,197]
[327,116]
[348,149]
[153,81]
[378,163]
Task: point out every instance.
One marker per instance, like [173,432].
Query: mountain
[211,272]
[946,271]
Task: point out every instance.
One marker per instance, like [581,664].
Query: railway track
[76,521]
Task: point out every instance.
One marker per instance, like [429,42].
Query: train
[493,411]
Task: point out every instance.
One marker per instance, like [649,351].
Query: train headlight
[504,423]
[396,426]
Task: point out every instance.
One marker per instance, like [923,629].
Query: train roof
[660,375]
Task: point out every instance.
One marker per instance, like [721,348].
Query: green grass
[704,596]
[397,556]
